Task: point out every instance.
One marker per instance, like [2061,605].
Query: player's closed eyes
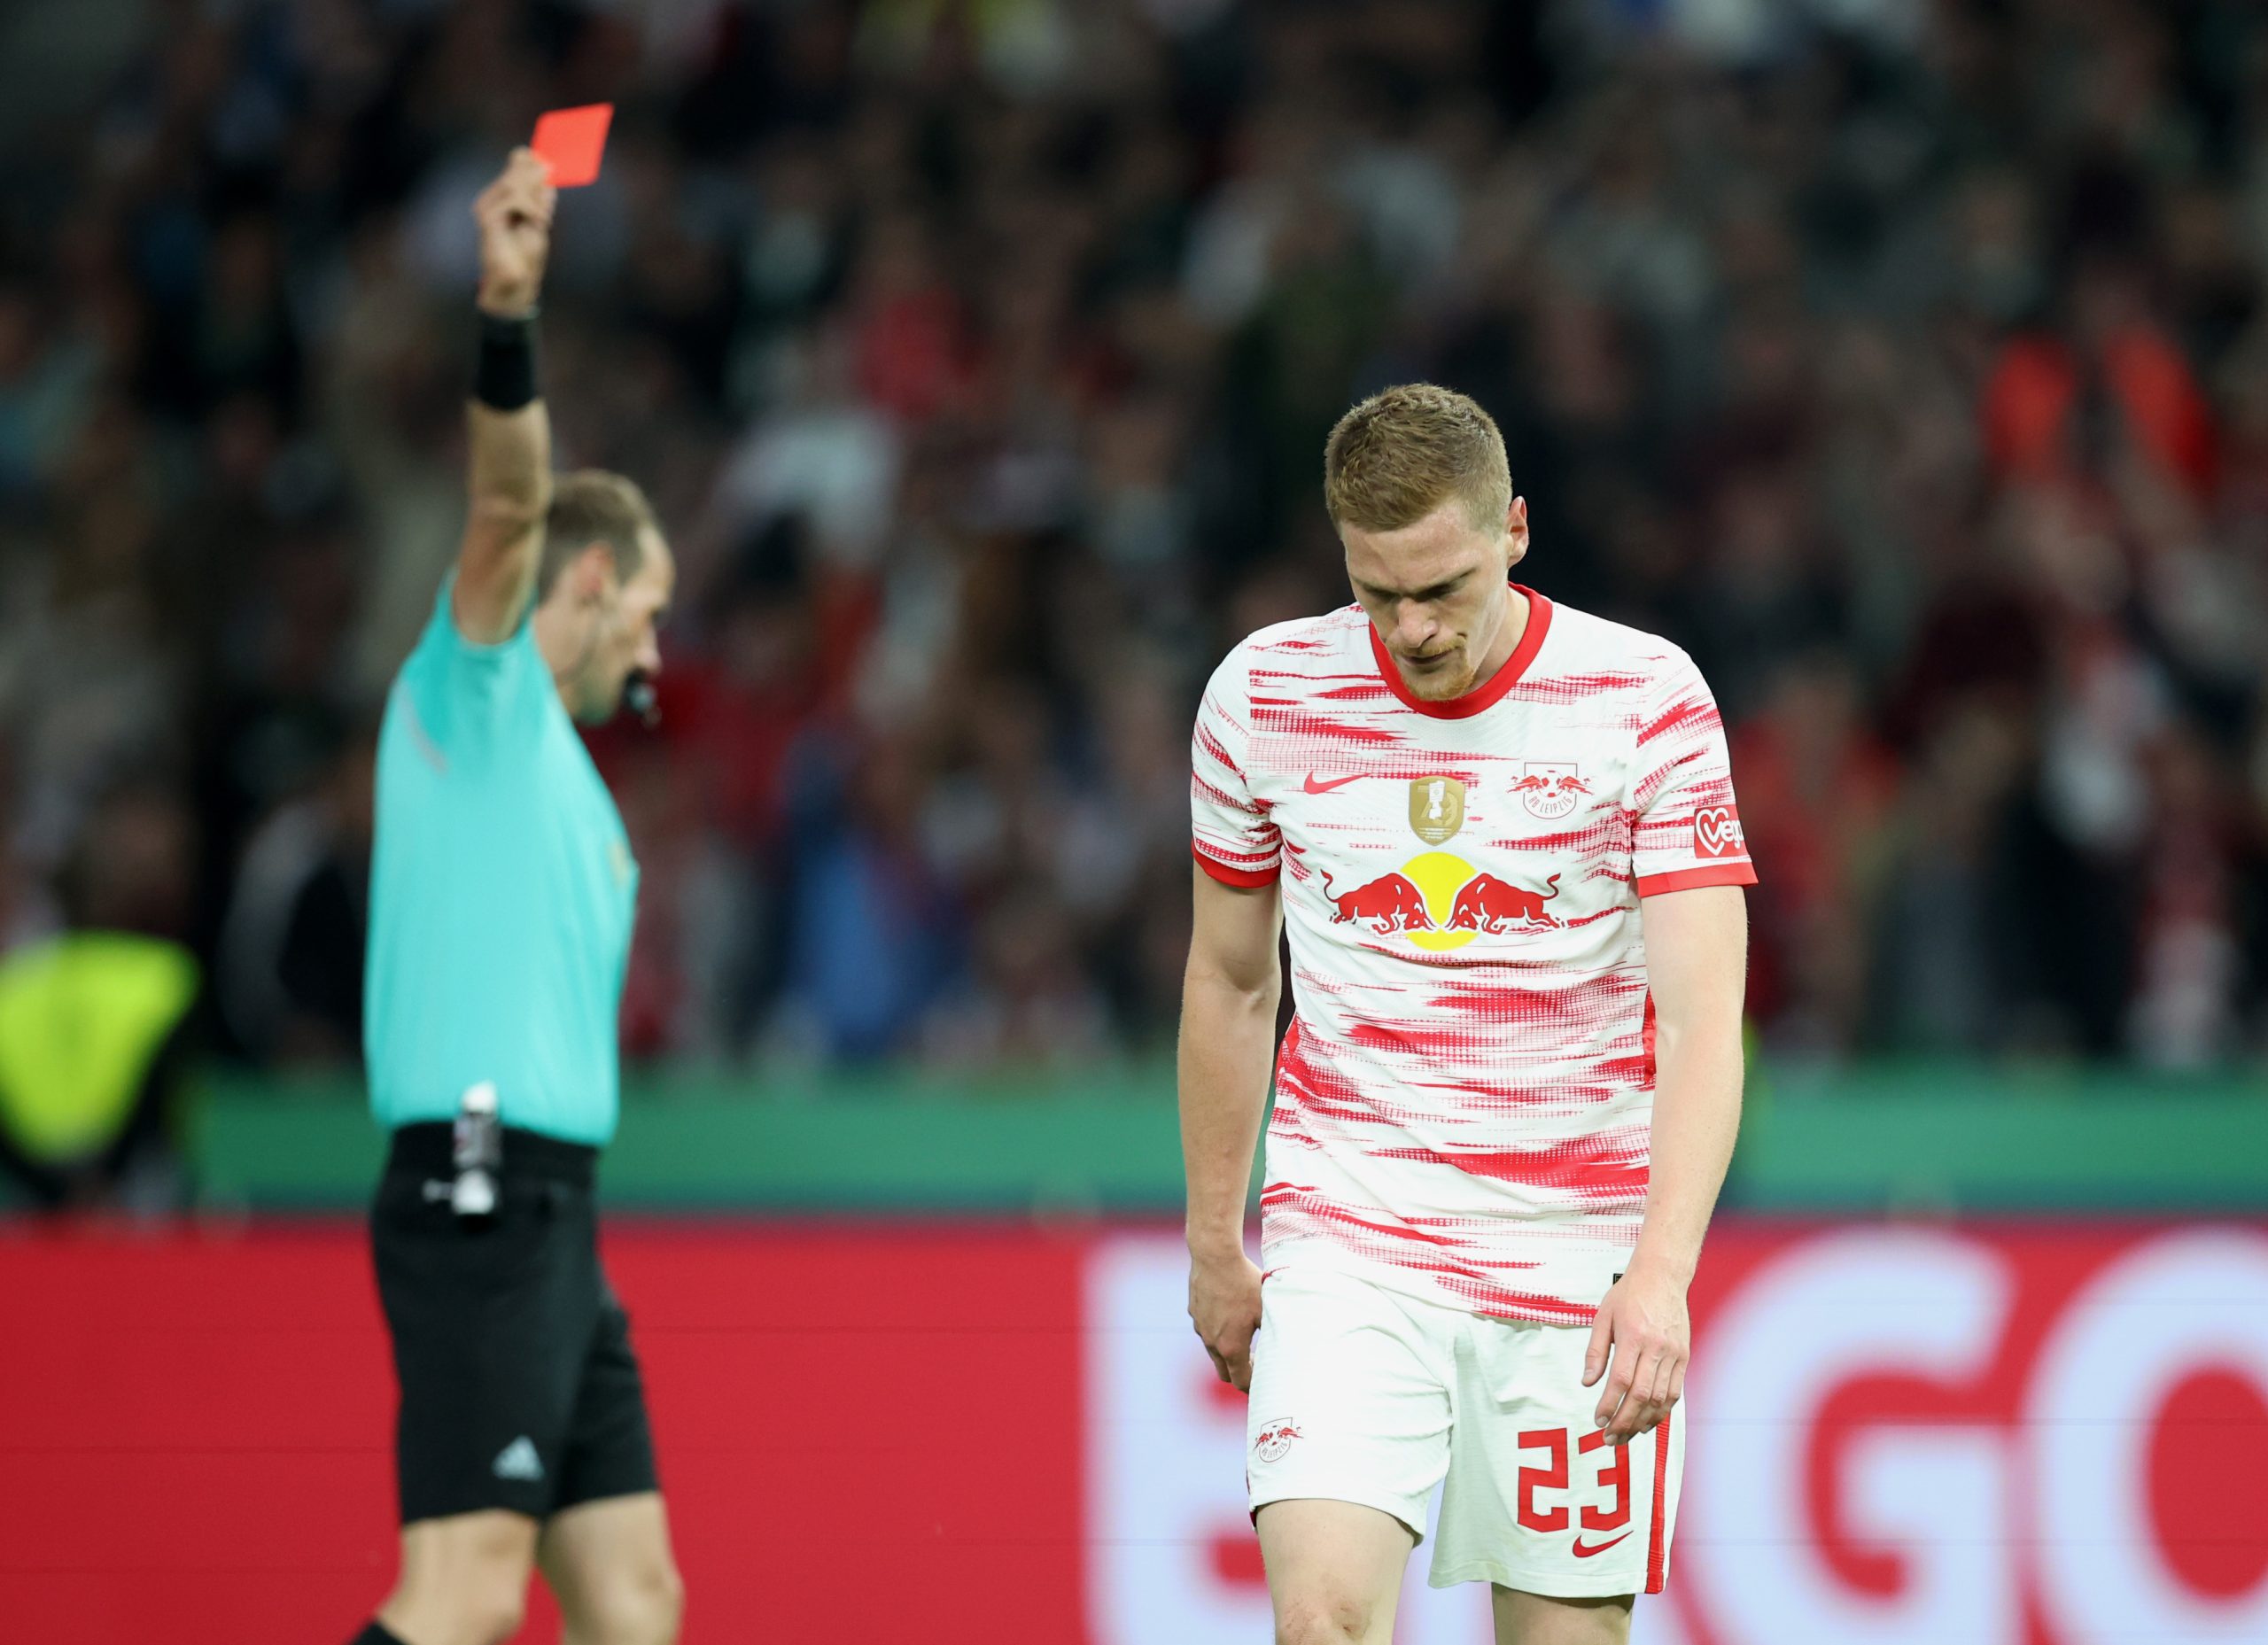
[1424,596]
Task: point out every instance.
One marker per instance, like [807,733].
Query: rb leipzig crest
[1436,808]
[1549,789]
[1275,1439]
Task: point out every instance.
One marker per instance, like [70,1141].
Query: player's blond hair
[1404,452]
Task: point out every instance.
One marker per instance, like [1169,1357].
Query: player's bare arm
[510,450]
[1696,963]
[1228,1036]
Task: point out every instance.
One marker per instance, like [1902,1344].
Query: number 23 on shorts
[1612,1522]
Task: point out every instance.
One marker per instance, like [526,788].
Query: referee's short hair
[591,506]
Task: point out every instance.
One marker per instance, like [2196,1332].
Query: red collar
[1491,691]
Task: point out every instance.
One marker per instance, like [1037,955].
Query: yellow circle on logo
[1439,876]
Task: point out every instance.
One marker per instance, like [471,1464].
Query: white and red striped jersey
[1463,1104]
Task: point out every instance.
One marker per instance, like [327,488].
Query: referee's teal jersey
[501,896]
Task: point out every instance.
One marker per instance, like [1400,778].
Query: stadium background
[1905,361]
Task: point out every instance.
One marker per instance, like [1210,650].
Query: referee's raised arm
[508,428]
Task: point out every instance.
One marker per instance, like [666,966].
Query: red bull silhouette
[1551,792]
[1393,900]
[1274,1440]
[1493,906]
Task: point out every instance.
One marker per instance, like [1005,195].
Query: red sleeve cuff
[1246,877]
[1690,879]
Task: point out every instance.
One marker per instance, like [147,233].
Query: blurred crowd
[1905,361]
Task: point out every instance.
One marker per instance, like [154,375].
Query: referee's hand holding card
[514,216]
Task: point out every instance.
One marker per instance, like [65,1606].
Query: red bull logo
[1274,1438]
[1391,902]
[1438,901]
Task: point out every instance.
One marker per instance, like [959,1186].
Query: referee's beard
[590,680]
[595,631]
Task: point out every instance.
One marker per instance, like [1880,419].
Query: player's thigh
[609,1564]
[1536,1620]
[1350,1395]
[1334,1569]
[463,1577]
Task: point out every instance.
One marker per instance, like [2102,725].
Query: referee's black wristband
[505,377]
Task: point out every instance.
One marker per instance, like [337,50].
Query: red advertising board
[2020,1434]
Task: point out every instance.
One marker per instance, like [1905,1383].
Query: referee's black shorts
[519,1389]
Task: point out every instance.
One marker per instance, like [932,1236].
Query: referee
[501,897]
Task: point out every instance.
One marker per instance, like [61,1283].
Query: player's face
[628,638]
[1435,592]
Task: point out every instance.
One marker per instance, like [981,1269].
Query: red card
[572,141]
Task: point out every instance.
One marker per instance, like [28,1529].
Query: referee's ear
[589,575]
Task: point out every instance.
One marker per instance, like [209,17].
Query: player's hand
[515,217]
[1224,1307]
[1640,1343]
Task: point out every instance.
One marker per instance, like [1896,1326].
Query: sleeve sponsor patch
[1717,833]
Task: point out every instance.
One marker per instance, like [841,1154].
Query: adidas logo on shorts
[518,1461]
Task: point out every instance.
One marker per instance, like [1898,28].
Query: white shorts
[1363,1394]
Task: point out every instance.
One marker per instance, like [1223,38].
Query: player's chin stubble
[1441,683]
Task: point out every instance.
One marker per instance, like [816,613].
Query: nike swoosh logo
[1336,782]
[1585,1553]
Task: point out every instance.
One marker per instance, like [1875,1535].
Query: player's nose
[1414,626]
